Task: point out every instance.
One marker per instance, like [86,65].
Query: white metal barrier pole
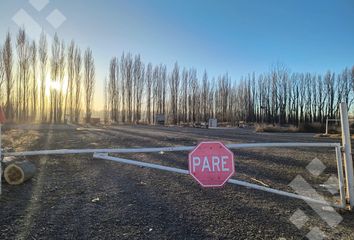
[232,181]
[166,149]
[340,177]
[348,162]
[140,164]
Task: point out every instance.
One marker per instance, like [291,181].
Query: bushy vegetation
[305,127]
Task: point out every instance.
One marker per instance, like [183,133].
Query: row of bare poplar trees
[42,84]
[138,92]
[135,92]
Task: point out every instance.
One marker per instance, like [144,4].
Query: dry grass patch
[276,128]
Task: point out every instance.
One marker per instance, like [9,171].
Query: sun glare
[55,85]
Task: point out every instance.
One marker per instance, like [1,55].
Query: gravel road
[78,197]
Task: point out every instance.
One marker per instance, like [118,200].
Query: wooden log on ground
[7,161]
[19,171]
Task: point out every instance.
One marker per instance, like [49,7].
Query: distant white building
[213,122]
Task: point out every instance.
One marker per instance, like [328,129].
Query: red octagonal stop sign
[211,164]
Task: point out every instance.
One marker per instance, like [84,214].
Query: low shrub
[312,128]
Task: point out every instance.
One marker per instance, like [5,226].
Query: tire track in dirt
[35,202]
[71,192]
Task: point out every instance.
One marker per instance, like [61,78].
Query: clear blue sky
[234,36]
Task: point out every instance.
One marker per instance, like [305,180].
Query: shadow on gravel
[15,202]
[85,198]
[176,207]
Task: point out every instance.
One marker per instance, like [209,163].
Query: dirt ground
[78,197]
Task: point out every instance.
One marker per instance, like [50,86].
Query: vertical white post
[340,176]
[326,126]
[348,162]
